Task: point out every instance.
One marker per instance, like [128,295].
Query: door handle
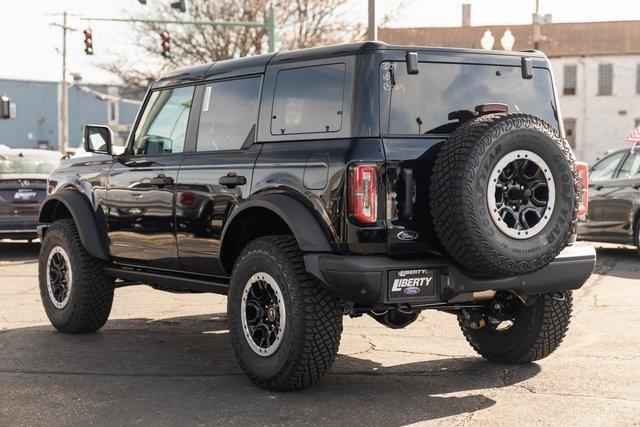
[599,187]
[232,180]
[161,180]
[636,185]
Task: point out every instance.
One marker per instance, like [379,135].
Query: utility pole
[63,107]
[536,27]
[373,28]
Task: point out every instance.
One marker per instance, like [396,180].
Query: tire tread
[93,296]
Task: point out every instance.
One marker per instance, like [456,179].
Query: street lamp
[507,41]
[487,40]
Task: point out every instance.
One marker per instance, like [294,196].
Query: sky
[29,45]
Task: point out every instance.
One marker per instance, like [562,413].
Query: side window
[631,167]
[606,167]
[229,114]
[163,124]
[308,100]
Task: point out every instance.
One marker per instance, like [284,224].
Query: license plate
[25,196]
[414,284]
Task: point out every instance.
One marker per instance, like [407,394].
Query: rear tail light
[363,194]
[186,198]
[583,177]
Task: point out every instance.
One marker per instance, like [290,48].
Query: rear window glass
[308,100]
[420,103]
[29,161]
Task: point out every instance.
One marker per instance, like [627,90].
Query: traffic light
[88,41]
[166,43]
[180,5]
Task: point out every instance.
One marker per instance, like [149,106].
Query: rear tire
[537,331]
[285,327]
[503,195]
[76,294]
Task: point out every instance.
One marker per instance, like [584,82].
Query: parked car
[344,180]
[23,187]
[614,199]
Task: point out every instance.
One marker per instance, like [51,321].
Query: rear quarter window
[308,100]
[419,104]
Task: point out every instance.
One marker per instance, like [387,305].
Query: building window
[605,79]
[570,131]
[570,79]
[638,79]
[637,123]
[113,116]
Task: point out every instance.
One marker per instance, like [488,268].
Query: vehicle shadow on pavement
[17,252]
[170,370]
[607,258]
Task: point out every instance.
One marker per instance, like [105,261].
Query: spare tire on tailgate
[504,194]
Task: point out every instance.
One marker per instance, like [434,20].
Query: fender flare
[84,217]
[306,228]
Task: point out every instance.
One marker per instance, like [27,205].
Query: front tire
[536,332]
[76,294]
[285,327]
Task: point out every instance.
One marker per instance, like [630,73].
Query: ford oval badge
[412,290]
[408,235]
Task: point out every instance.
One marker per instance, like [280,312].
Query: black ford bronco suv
[345,180]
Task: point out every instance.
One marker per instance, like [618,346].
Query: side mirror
[98,139]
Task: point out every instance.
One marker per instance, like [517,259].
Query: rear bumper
[364,280]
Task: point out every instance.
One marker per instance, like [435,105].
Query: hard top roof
[257,64]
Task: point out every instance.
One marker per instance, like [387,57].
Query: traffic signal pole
[268,24]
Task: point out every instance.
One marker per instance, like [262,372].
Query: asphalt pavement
[165,359]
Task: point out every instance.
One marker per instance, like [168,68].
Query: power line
[106,97]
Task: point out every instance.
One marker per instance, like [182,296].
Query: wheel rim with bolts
[59,277]
[263,314]
[521,194]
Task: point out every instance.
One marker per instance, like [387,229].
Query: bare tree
[300,24]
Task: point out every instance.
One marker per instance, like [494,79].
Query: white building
[596,67]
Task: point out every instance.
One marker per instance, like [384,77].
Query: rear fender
[302,223]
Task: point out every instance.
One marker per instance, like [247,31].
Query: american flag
[634,137]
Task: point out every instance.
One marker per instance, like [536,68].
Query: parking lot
[165,359]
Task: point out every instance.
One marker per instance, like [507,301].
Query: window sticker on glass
[207,98]
[389,77]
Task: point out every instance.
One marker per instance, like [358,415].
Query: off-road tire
[91,294]
[313,317]
[459,201]
[537,331]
